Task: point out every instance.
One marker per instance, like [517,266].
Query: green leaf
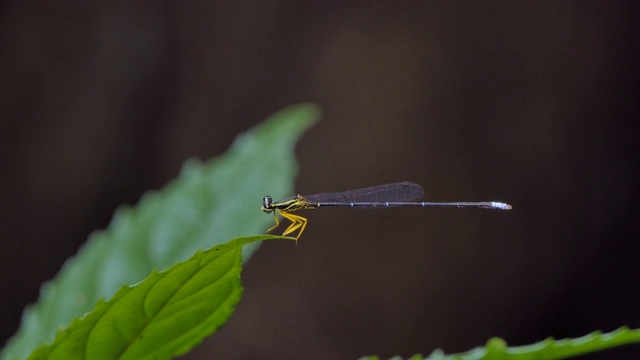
[165,315]
[497,349]
[206,205]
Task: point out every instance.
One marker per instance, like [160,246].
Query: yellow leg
[297,222]
[274,226]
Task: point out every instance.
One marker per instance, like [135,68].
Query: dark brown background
[531,103]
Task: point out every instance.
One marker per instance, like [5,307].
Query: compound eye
[267,201]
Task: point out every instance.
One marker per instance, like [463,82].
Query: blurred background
[532,103]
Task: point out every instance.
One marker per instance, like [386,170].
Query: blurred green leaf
[165,315]
[207,204]
[497,349]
